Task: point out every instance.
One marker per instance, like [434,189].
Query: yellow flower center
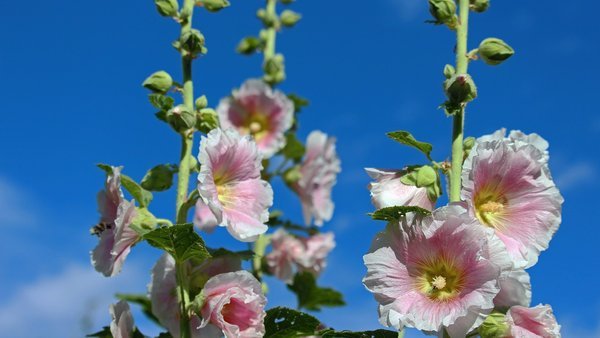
[440,279]
[490,206]
[257,125]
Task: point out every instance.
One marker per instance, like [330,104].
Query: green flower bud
[494,51]
[449,71]
[426,176]
[443,11]
[292,175]
[468,144]
[159,82]
[207,120]
[268,19]
[201,102]
[214,5]
[289,18]
[159,178]
[248,45]
[168,8]
[274,69]
[180,118]
[192,43]
[494,326]
[460,89]
[479,5]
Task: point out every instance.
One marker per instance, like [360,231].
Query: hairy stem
[269,51]
[183,177]
[462,64]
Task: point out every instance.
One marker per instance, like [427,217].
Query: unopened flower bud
[494,326]
[248,45]
[460,88]
[494,51]
[180,118]
[479,5]
[449,71]
[168,8]
[192,42]
[444,12]
[274,69]
[159,178]
[207,120]
[426,176]
[268,19]
[289,18]
[159,82]
[201,102]
[214,5]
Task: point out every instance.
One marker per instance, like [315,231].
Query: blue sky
[71,97]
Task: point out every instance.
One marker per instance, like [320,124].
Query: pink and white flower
[318,170]
[286,248]
[536,322]
[441,271]
[258,110]
[387,190]
[515,289]
[508,186]
[163,291]
[290,254]
[204,219]
[121,325]
[116,235]
[231,186]
[234,303]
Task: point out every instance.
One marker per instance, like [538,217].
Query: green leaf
[282,322]
[180,241]
[395,213]
[406,138]
[312,297]
[330,333]
[159,178]
[143,301]
[143,196]
[299,102]
[220,252]
[294,149]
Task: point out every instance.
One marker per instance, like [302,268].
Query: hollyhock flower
[316,249]
[508,186]
[290,253]
[121,325]
[204,219]
[285,250]
[258,110]
[231,185]
[234,302]
[438,272]
[387,190]
[318,176]
[533,322]
[116,235]
[515,289]
[163,291]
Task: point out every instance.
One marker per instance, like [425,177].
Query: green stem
[269,51]
[462,63]
[260,246]
[183,177]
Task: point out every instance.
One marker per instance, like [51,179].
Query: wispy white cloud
[69,304]
[15,205]
[409,10]
[575,175]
